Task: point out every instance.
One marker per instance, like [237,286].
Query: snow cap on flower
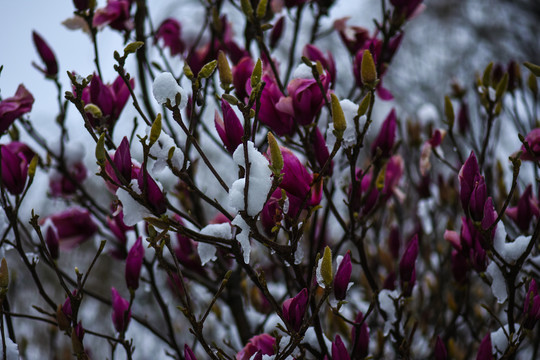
[165,88]
[339,351]
[170,32]
[294,309]
[229,129]
[263,344]
[342,277]
[14,107]
[387,135]
[47,56]
[134,263]
[407,266]
[360,337]
[121,313]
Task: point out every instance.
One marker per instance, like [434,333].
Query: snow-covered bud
[166,87]
[387,135]
[343,276]
[134,263]
[46,55]
[121,314]
[295,308]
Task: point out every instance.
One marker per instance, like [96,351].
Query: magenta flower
[440,350]
[73,226]
[134,263]
[51,239]
[241,76]
[121,313]
[188,353]
[339,351]
[14,107]
[473,190]
[296,179]
[533,139]
[314,54]
[281,120]
[342,277]
[115,14]
[354,37]
[61,185]
[153,194]
[230,129]
[484,351]
[14,170]
[295,308]
[531,306]
[110,99]
[263,344]
[305,99]
[387,136]
[277,31]
[470,245]
[170,32]
[407,266]
[360,338]
[527,208]
[122,161]
[47,56]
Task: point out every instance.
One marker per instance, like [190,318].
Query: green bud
[261,9]
[379,182]
[246,7]
[449,111]
[368,70]
[188,72]
[265,27]
[338,117]
[257,74]
[4,274]
[100,149]
[225,73]
[32,167]
[327,272]
[486,78]
[532,83]
[230,99]
[364,105]
[207,70]
[535,69]
[133,47]
[275,154]
[155,131]
[502,86]
[94,110]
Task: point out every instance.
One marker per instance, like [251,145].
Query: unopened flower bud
[134,263]
[327,273]
[275,154]
[225,73]
[338,117]
[4,274]
[368,70]
[343,275]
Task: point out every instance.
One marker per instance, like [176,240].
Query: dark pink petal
[339,351]
[134,263]
[387,135]
[14,107]
[46,54]
[360,338]
[484,351]
[121,313]
[122,160]
[342,277]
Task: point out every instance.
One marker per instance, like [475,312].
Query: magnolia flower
[342,277]
[387,135]
[73,226]
[295,308]
[47,56]
[115,14]
[360,337]
[14,170]
[121,315]
[526,209]
[134,263]
[170,32]
[407,266]
[229,129]
[241,76]
[280,121]
[473,190]
[263,344]
[533,140]
[14,107]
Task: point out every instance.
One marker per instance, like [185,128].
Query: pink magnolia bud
[122,160]
[484,351]
[387,135]
[62,186]
[230,129]
[531,306]
[241,76]
[46,55]
[533,139]
[170,32]
[473,190]
[262,344]
[296,178]
[188,353]
[360,338]
[339,351]
[14,107]
[134,263]
[14,170]
[115,14]
[527,208]
[295,308]
[277,31]
[342,277]
[120,311]
[407,266]
[440,350]
[154,196]
[79,331]
[51,239]
[73,226]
